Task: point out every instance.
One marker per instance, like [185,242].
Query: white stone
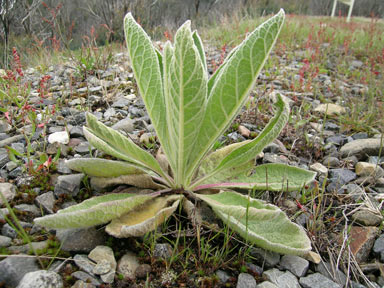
[330,109]
[319,168]
[127,265]
[368,169]
[40,279]
[59,137]
[8,190]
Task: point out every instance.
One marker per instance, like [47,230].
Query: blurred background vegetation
[32,26]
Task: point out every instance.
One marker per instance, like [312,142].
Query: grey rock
[10,140]
[367,217]
[5,241]
[32,209]
[82,284]
[86,278]
[15,173]
[68,184]
[295,264]
[76,131]
[246,281]
[41,279]
[3,212]
[325,269]
[5,127]
[142,271]
[317,280]
[108,277]
[11,166]
[84,263]
[331,126]
[265,258]
[24,249]
[19,147]
[110,112]
[357,285]
[102,267]
[360,135]
[4,159]
[223,276]
[125,125]
[266,284]
[272,148]
[274,158]
[361,148]
[256,269]
[3,136]
[103,255]
[354,190]
[8,190]
[378,247]
[337,139]
[135,112]
[46,201]
[13,269]
[121,103]
[62,167]
[376,160]
[83,148]
[281,279]
[127,265]
[339,177]
[163,250]
[8,231]
[80,240]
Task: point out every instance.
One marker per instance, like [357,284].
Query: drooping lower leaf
[103,167]
[140,221]
[137,180]
[272,177]
[94,211]
[259,223]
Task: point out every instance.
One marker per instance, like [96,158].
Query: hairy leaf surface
[272,177]
[146,219]
[233,84]
[116,144]
[103,167]
[262,224]
[94,211]
[187,92]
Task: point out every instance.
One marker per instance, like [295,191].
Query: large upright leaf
[262,224]
[114,143]
[272,177]
[187,96]
[147,70]
[233,84]
[94,211]
[249,150]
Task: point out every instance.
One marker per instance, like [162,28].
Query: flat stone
[100,253]
[5,241]
[368,169]
[331,162]
[68,184]
[295,264]
[8,190]
[343,175]
[361,241]
[83,262]
[5,127]
[24,249]
[378,247]
[335,275]
[163,250]
[127,265]
[125,125]
[83,148]
[367,217]
[143,270]
[46,201]
[41,279]
[266,284]
[319,168]
[76,131]
[274,158]
[108,277]
[223,276]
[32,209]
[354,190]
[59,137]
[330,109]
[82,284]
[80,240]
[13,269]
[103,267]
[245,280]
[361,148]
[317,280]
[281,279]
[121,103]
[8,231]
[86,278]
[265,258]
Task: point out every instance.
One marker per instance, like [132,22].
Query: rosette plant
[189,113]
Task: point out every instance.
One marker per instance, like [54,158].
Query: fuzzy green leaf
[146,219]
[187,83]
[272,177]
[94,211]
[233,84]
[103,167]
[262,224]
[114,143]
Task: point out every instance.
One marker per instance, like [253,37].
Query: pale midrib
[180,149]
